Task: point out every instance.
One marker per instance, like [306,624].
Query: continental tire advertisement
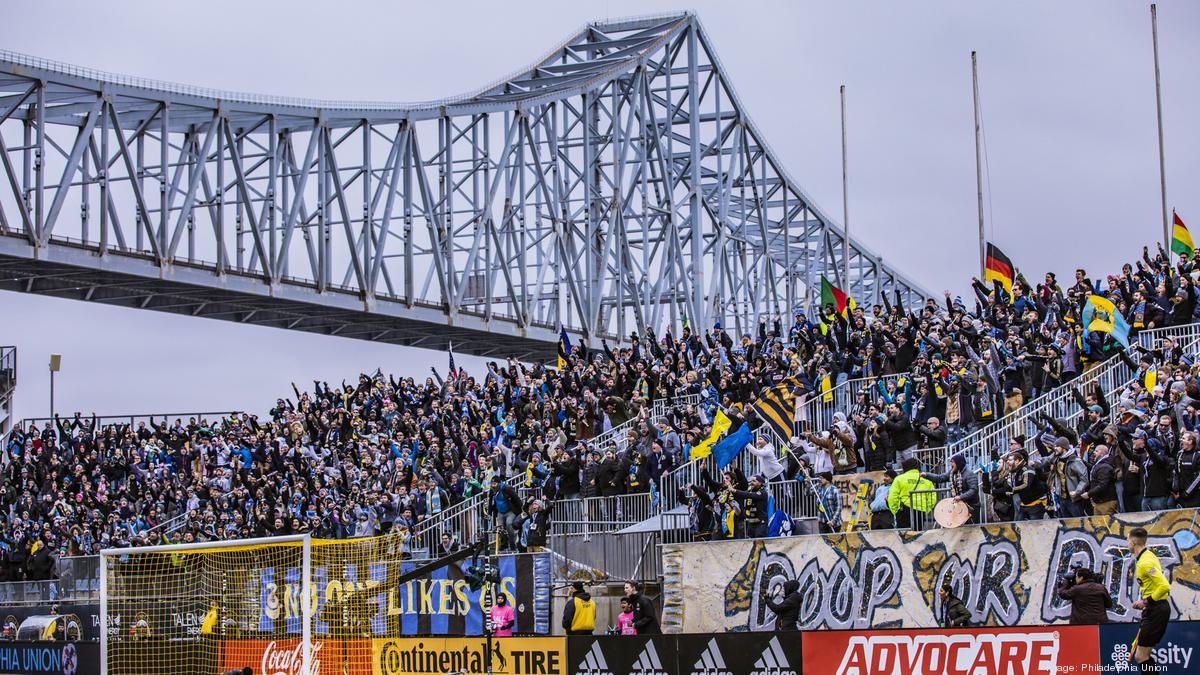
[399,656]
[437,656]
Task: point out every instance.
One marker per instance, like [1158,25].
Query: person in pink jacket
[503,618]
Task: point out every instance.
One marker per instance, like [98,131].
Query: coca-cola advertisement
[1023,650]
[285,657]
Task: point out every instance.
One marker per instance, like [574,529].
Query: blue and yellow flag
[564,347]
[1102,316]
[720,423]
[1151,379]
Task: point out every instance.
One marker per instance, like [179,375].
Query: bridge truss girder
[617,184]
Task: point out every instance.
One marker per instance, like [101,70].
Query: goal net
[208,608]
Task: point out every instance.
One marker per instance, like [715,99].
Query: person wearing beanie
[579,615]
[787,610]
[752,522]
[882,517]
[1068,480]
[964,485]
[829,500]
[1029,486]
[901,502]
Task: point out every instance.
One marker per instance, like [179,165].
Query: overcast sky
[1067,93]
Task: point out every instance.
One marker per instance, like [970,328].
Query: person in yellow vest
[903,486]
[1154,605]
[579,616]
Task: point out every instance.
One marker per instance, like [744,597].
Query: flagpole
[1162,165]
[845,204]
[978,163]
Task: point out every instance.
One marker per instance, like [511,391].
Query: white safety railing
[463,522]
[816,409]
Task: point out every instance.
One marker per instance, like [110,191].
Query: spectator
[964,485]
[882,517]
[1101,487]
[829,501]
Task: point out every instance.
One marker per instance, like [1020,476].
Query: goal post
[181,608]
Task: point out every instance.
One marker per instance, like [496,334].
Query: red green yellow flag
[832,295]
[1181,239]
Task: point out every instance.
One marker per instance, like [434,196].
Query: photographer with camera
[1090,600]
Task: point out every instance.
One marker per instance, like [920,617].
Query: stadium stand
[872,388]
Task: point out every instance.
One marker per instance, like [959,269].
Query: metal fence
[924,520]
[78,581]
[464,522]
[816,409]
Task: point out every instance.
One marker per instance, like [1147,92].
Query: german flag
[777,407]
[997,267]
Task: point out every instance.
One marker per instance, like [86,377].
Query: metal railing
[984,444]
[103,421]
[924,520]
[78,581]
[817,409]
[464,522]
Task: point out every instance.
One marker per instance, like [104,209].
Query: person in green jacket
[909,481]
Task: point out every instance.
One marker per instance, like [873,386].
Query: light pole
[55,366]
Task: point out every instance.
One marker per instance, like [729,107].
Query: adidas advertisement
[740,654]
[621,655]
[1177,653]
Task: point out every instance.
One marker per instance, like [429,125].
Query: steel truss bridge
[614,185]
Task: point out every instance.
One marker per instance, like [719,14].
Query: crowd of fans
[381,455]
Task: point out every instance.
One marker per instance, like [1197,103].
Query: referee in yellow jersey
[1156,609]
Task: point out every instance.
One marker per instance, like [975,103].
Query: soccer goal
[209,608]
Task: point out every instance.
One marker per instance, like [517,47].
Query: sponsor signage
[81,621]
[49,658]
[365,596]
[1030,650]
[467,656]
[621,654]
[284,657]
[740,654]
[1176,654]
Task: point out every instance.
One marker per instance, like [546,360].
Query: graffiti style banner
[1029,650]
[283,657]
[49,658]
[749,653]
[1006,574]
[364,596]
[436,656]
[625,654]
[1178,653]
